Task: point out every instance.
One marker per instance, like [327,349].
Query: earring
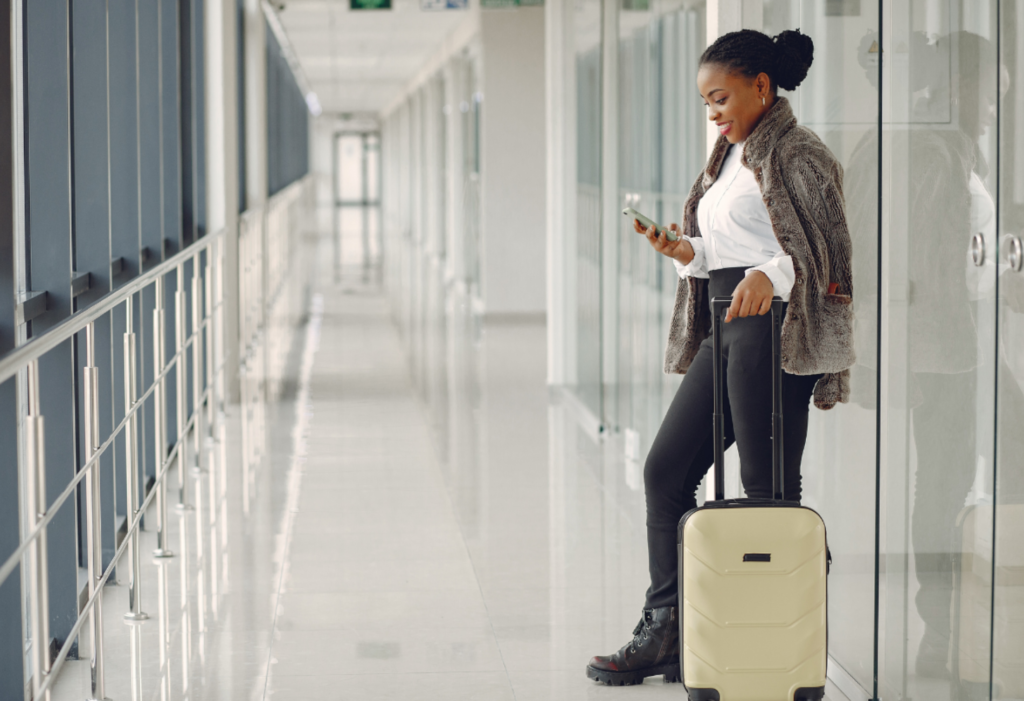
[762,101]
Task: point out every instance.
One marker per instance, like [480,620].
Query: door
[357,203]
[939,252]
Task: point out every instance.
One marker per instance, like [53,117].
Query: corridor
[330,366]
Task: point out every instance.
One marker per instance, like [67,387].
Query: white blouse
[736,231]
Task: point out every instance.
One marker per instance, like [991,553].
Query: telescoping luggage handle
[718,307]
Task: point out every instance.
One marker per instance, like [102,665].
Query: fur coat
[802,187]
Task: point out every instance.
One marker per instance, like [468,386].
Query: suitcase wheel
[704,695]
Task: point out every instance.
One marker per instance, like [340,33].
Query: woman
[765,218]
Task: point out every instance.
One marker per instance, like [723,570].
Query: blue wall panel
[48,219]
[12,682]
[124,134]
[149,130]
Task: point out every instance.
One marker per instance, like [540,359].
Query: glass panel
[938,329]
[373,163]
[839,102]
[637,264]
[662,149]
[350,168]
[1008,635]
[470,106]
[587,312]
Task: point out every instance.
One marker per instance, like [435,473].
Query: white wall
[255,104]
[221,170]
[514,167]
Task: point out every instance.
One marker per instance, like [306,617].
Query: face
[977,106]
[733,100]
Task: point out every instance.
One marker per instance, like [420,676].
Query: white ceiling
[359,61]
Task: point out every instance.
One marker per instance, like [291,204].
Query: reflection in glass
[839,101]
[587,45]
[940,321]
[662,140]
[470,107]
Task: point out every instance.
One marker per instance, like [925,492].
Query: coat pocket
[835,333]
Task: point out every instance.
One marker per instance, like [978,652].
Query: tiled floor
[482,549]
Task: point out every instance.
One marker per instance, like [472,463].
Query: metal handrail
[31,551]
[14,560]
[36,347]
[196,408]
[83,615]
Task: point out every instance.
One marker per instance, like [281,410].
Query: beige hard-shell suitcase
[983,638]
[752,579]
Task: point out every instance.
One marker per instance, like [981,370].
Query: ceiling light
[313,103]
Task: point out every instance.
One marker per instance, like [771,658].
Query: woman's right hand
[680,249]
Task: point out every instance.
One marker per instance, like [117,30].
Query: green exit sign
[370,4]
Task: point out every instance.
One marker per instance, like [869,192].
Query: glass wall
[287,120]
[587,262]
[839,101]
[431,221]
[939,314]
[662,150]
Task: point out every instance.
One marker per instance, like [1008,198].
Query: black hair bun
[794,53]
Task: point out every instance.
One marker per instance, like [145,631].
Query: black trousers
[683,451]
[946,443]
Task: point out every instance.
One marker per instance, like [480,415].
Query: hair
[786,57]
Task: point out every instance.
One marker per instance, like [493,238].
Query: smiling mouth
[724,128]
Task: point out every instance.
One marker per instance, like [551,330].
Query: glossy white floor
[484,548]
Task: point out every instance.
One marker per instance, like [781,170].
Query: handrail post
[197,369]
[38,575]
[93,520]
[160,424]
[219,312]
[179,345]
[131,463]
[211,341]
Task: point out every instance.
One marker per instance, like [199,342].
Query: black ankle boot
[654,650]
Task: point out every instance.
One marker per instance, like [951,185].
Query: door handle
[978,250]
[1015,256]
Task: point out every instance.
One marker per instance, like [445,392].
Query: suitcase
[752,577]
[987,645]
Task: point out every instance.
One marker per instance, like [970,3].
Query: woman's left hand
[752,296]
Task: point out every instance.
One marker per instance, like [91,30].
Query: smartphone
[648,223]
